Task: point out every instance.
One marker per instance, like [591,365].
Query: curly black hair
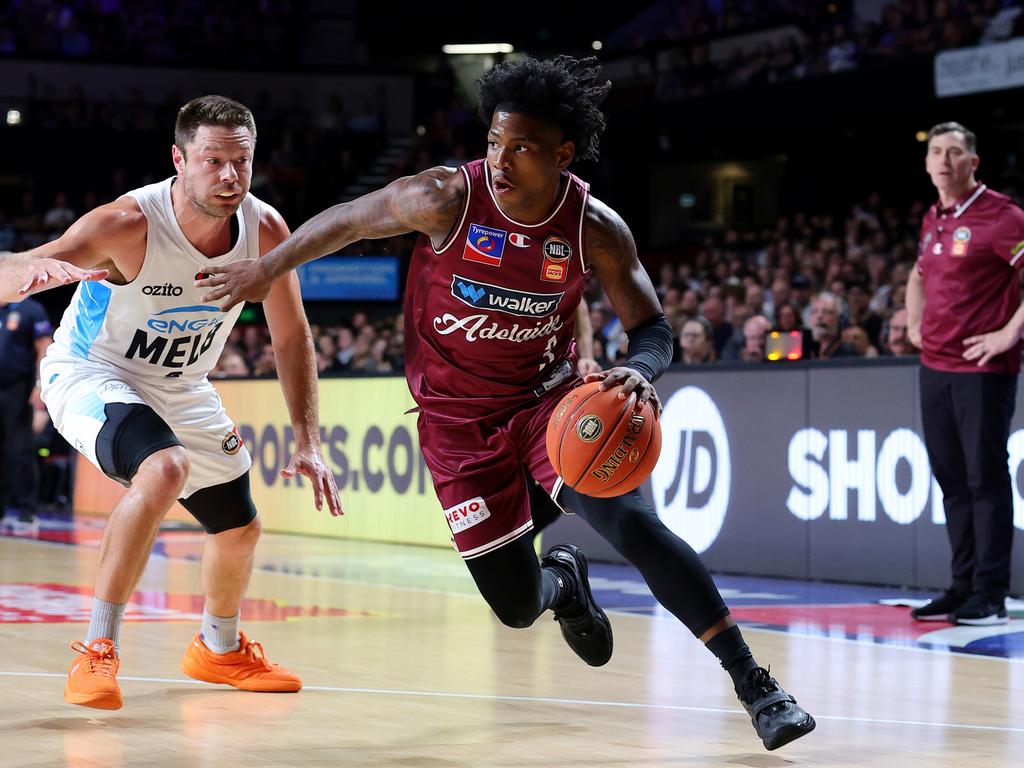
[562,91]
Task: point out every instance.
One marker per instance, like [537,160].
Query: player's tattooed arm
[429,202]
[609,248]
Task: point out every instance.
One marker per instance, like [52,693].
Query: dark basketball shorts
[481,469]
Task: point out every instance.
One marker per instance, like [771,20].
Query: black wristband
[650,347]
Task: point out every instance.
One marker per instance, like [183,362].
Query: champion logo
[519,240]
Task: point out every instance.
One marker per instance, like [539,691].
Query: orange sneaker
[246,669]
[92,681]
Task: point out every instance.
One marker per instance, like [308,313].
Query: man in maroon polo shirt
[964,312]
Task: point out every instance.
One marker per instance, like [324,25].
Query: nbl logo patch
[961,239]
[556,256]
[232,442]
[484,246]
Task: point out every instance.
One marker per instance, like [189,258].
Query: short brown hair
[211,110]
[969,138]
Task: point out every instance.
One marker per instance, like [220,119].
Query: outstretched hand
[629,380]
[309,463]
[237,282]
[49,273]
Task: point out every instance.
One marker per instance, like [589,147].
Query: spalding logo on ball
[602,445]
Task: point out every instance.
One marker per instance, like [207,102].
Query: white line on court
[552,700]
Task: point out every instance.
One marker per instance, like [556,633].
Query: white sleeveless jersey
[157,325]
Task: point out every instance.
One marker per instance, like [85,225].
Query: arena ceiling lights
[470,49]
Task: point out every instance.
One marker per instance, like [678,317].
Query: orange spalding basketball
[600,444]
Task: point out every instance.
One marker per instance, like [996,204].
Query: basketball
[600,444]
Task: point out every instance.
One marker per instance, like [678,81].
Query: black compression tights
[512,582]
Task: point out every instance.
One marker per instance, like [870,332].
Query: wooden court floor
[404,666]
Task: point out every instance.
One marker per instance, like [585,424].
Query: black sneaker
[775,714]
[584,626]
[940,608]
[980,610]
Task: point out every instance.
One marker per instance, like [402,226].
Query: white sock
[219,633]
[105,622]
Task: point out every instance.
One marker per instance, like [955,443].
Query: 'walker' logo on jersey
[474,328]
[692,479]
[556,253]
[484,246]
[487,296]
[183,334]
[467,514]
[162,290]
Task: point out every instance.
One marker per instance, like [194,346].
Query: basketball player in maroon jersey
[506,246]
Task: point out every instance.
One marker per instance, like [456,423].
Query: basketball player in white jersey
[125,382]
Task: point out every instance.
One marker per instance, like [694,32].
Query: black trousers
[966,419]
[19,475]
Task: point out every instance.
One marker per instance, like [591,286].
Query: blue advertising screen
[346,278]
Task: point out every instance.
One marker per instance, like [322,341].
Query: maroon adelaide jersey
[489,316]
[969,257]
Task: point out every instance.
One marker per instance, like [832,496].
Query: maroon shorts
[480,468]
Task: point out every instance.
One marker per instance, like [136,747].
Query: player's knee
[244,537]
[519,615]
[626,522]
[165,472]
[226,509]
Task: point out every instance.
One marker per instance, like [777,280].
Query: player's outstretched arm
[610,249]
[21,276]
[83,252]
[429,202]
[296,370]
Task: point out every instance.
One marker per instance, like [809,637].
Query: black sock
[558,585]
[733,653]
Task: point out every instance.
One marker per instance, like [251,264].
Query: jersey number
[548,356]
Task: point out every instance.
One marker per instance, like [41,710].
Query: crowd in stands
[357,346]
[842,280]
[821,39]
[226,32]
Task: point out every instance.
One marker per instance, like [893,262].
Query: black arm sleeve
[650,347]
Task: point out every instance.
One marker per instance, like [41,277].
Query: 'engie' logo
[172,324]
[467,514]
[182,336]
[487,296]
[692,479]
